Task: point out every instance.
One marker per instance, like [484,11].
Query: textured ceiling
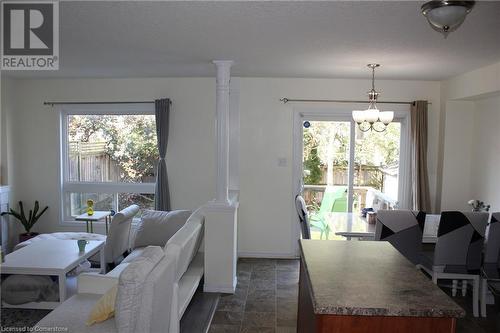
[275,39]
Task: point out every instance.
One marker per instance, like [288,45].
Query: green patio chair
[334,199]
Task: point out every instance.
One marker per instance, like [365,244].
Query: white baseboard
[267,255]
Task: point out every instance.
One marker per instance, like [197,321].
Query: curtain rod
[286,100]
[75,103]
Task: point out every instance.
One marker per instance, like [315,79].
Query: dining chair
[490,275]
[305,227]
[403,229]
[458,250]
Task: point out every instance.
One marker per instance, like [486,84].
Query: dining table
[352,225]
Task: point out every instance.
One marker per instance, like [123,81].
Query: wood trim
[375,324]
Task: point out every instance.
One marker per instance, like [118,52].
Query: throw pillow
[157,227]
[104,308]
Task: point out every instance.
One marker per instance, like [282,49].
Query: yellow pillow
[104,308]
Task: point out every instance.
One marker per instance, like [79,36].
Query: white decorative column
[221,214]
[222,129]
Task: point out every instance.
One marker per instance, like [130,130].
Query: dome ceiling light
[446,16]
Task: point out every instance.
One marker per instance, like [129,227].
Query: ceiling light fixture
[446,16]
[372,118]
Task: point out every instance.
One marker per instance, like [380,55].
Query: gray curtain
[162,194]
[420,178]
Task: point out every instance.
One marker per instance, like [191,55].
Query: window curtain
[420,178]
[162,194]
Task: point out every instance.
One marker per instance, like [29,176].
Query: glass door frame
[343,113]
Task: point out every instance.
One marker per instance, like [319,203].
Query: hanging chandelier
[446,16]
[372,118]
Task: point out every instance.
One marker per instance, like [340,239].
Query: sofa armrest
[94,283]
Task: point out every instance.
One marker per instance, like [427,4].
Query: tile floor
[265,298]
[266,301]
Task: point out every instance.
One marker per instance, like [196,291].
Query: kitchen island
[368,287]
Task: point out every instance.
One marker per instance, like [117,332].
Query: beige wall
[458,142]
[485,178]
[265,216]
[35,141]
[266,209]
[470,150]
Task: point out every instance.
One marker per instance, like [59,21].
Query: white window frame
[67,186]
[344,113]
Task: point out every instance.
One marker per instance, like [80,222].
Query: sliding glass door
[343,169]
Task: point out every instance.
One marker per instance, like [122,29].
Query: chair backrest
[460,239]
[305,227]
[117,241]
[492,243]
[403,229]
[185,243]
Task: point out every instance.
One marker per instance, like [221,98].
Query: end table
[97,216]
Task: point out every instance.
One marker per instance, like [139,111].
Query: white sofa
[167,289]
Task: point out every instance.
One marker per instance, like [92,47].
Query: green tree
[313,166]
[130,141]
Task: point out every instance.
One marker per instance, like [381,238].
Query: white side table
[97,216]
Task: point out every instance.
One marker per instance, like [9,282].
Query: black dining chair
[490,275]
[403,229]
[458,250]
[305,227]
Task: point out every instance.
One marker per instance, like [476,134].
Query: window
[108,154]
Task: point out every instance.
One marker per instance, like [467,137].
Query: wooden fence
[89,162]
[364,175]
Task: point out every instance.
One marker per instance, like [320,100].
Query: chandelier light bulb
[386,117]
[371,115]
[358,116]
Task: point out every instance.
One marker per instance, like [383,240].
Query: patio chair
[334,200]
[403,229]
[457,255]
[491,262]
[305,227]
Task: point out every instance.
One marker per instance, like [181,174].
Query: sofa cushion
[158,298]
[131,286]
[157,227]
[72,315]
[185,243]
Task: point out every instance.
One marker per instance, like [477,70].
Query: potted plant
[479,206]
[27,222]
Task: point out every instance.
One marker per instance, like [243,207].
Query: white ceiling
[275,39]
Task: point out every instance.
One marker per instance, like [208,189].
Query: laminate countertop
[364,278]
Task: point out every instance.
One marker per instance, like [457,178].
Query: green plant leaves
[29,222]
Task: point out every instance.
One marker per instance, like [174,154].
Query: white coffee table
[49,257]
